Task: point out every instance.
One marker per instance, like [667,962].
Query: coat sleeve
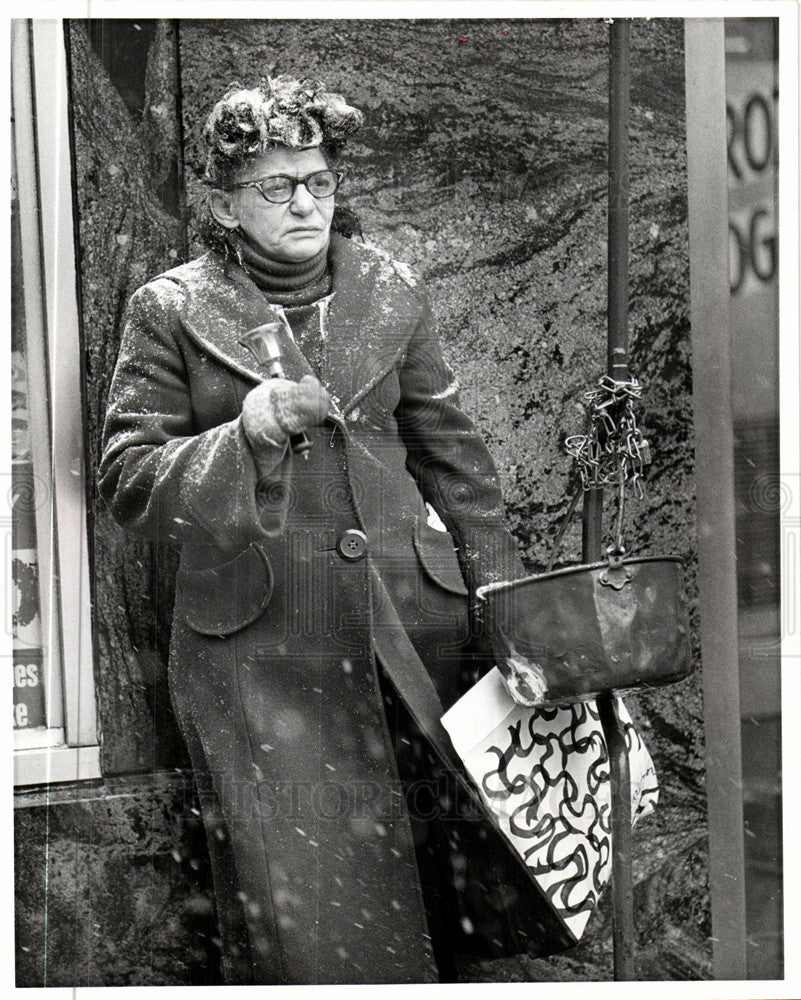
[451,464]
[158,476]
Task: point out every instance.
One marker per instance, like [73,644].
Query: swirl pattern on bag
[545,774]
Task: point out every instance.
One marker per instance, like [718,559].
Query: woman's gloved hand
[278,407]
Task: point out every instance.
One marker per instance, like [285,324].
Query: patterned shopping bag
[544,773]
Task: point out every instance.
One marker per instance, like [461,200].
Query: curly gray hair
[284,111]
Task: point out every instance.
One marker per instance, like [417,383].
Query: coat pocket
[437,554]
[222,599]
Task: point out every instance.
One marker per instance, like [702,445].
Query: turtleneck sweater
[284,283]
[297,287]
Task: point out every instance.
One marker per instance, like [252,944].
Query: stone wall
[113,886]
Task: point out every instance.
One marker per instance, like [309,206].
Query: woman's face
[296,230]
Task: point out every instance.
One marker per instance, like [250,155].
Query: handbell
[263,344]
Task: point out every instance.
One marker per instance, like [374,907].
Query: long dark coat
[281,625]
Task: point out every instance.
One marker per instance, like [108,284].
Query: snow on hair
[299,114]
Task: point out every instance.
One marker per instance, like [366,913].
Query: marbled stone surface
[112,886]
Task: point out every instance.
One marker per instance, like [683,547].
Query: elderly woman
[323,611]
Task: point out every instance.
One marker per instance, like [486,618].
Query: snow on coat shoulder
[390,268]
[193,272]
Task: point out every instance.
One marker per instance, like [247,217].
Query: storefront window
[34,625]
[752,157]
[29,704]
[54,723]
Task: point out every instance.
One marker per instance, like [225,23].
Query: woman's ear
[223,206]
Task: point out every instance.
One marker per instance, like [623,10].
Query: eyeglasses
[279,188]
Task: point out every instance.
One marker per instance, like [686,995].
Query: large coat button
[352,544]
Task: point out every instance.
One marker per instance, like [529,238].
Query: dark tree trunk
[131,226]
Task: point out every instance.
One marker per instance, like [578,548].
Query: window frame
[67,749]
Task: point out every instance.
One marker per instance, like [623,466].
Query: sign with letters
[26,624]
[752,160]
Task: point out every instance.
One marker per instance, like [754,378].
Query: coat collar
[370,318]
[220,305]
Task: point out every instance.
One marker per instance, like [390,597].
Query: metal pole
[622,888]
[592,530]
[710,321]
[617,367]
[618,259]
[618,221]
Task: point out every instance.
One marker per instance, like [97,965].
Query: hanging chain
[612,451]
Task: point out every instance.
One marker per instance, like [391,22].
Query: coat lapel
[369,321]
[370,318]
[221,305]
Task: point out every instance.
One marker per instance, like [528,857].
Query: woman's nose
[302,202]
